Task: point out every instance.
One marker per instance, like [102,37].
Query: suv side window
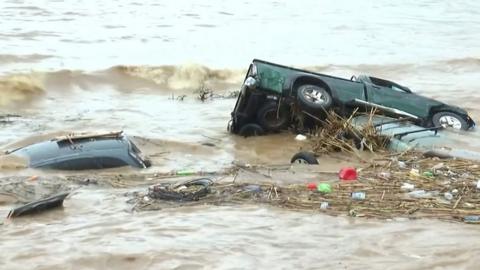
[89,163]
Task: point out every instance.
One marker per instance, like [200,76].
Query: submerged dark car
[82,152]
[272,93]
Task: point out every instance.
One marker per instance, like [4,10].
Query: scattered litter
[185,173]
[253,188]
[427,174]
[312,186]
[438,166]
[472,219]
[385,175]
[402,165]
[418,193]
[191,190]
[402,196]
[407,186]
[469,205]
[324,205]
[478,184]
[358,195]
[421,194]
[33,178]
[414,173]
[324,188]
[300,137]
[347,174]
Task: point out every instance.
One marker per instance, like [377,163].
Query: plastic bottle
[185,173]
[358,195]
[472,219]
[418,193]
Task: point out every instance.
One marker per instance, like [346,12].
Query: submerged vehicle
[82,152]
[271,94]
[403,135]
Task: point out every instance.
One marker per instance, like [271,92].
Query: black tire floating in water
[304,158]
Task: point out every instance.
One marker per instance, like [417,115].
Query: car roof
[76,147]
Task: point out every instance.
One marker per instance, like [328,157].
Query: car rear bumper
[245,109]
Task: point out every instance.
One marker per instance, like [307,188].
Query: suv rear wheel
[273,117]
[251,129]
[314,97]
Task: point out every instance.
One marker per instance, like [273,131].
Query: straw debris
[339,134]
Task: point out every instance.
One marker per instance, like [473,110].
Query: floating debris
[370,196]
[38,206]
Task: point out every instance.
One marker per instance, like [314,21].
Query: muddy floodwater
[137,66]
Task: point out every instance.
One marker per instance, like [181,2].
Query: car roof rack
[401,135]
[394,121]
[86,135]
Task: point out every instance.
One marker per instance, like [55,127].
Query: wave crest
[20,88]
[190,76]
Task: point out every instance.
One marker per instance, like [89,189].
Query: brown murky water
[75,66]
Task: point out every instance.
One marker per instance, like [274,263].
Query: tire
[273,118]
[251,130]
[304,158]
[449,120]
[314,97]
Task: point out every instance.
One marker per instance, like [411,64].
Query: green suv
[272,94]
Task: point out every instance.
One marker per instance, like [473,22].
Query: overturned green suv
[272,94]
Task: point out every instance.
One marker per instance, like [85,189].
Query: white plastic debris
[408,186]
[414,172]
[180,188]
[448,196]
[402,165]
[455,191]
[384,175]
[438,166]
[300,137]
[418,194]
[478,184]
[324,205]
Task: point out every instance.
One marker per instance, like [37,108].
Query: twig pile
[339,134]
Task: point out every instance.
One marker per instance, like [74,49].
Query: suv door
[399,98]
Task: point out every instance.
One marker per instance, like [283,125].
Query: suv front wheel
[449,120]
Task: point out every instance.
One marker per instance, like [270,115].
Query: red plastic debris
[312,186]
[347,174]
